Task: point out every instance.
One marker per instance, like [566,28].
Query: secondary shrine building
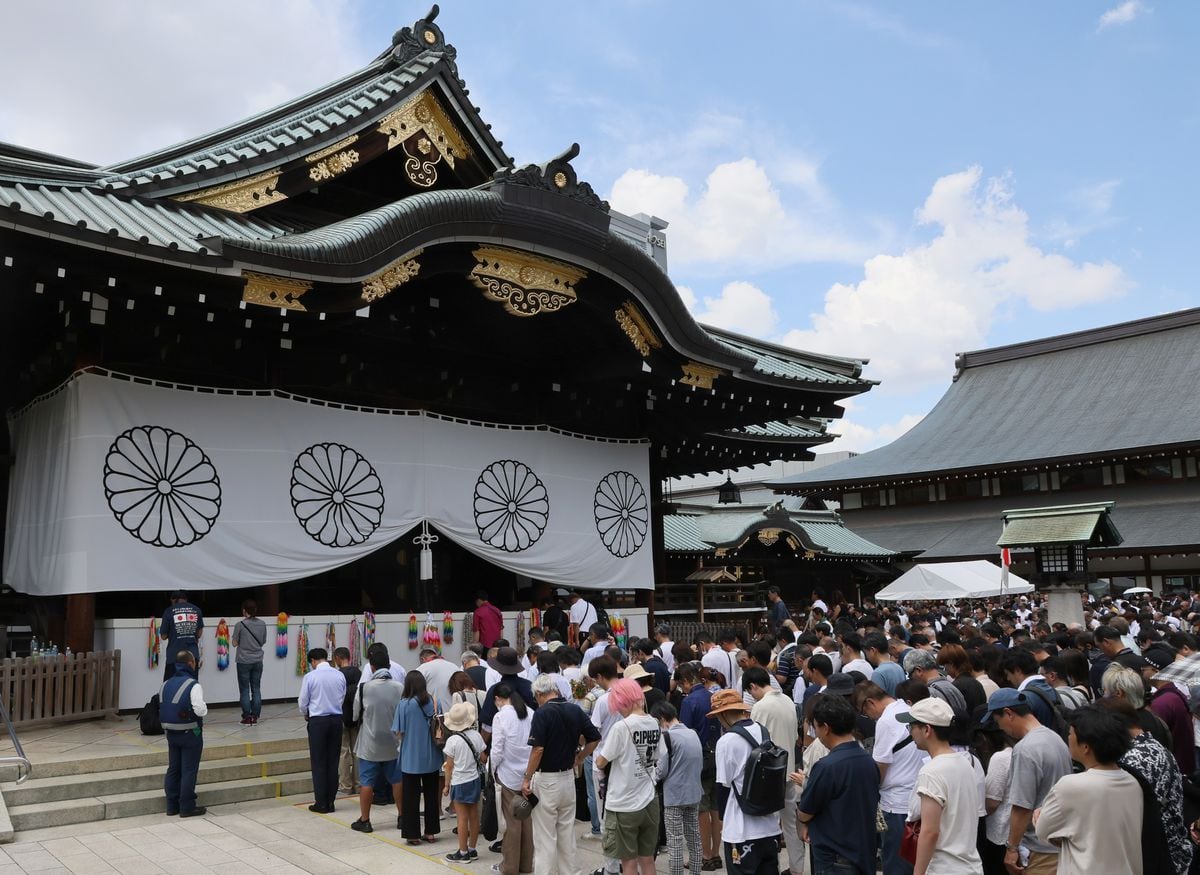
[267,360]
[1109,414]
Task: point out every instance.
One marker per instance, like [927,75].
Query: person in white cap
[464,752]
[948,794]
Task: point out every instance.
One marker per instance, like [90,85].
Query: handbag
[908,842]
[489,825]
[437,726]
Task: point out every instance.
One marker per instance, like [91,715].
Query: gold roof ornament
[427,135]
[637,328]
[241,196]
[527,284]
[280,292]
[392,277]
[698,375]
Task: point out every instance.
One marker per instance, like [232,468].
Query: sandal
[429,840]
[411,842]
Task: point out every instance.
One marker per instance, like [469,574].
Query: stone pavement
[98,739]
[278,836]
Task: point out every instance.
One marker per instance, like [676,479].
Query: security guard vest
[175,701]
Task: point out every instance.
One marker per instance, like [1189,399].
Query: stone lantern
[1060,537]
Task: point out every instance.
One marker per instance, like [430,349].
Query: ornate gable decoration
[637,328]
[526,284]
[427,135]
[269,290]
[556,175]
[424,36]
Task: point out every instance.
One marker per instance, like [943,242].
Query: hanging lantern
[729,492]
[424,540]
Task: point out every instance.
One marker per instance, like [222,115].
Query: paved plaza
[278,836]
[266,835]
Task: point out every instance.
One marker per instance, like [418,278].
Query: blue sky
[892,181]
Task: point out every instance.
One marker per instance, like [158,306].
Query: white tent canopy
[937,581]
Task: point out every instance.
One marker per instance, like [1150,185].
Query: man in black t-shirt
[181,626]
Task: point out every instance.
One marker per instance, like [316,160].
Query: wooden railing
[60,689]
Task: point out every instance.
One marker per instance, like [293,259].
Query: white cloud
[688,297]
[739,218]
[910,313]
[740,307]
[1123,14]
[861,438]
[108,81]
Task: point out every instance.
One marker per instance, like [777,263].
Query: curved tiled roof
[778,361]
[820,531]
[275,136]
[1112,390]
[79,211]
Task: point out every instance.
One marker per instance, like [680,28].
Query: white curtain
[127,485]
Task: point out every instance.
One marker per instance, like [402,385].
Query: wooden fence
[45,690]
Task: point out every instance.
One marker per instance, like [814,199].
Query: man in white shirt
[723,659]
[662,634]
[582,616]
[899,762]
[777,714]
[397,670]
[750,841]
[601,637]
[852,657]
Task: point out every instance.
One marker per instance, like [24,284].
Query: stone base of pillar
[1064,604]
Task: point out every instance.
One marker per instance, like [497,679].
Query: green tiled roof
[680,535]
[776,361]
[839,540]
[820,531]
[777,429]
[1065,524]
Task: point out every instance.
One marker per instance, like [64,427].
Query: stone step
[63,787]
[84,810]
[212,751]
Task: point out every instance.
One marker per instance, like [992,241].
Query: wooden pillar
[81,623]
[268,600]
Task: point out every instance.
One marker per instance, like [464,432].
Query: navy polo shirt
[842,794]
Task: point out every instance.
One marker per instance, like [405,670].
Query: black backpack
[764,783]
[148,719]
[1058,717]
[601,615]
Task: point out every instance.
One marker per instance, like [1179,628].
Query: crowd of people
[935,739]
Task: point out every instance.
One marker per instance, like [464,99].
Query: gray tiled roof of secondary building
[1148,516]
[1123,387]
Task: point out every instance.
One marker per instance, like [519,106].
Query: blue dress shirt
[323,691]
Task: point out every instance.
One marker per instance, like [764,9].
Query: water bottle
[53,650]
[68,651]
[33,648]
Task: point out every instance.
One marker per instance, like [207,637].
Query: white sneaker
[592,836]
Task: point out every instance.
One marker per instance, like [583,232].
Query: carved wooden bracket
[395,275]
[427,135]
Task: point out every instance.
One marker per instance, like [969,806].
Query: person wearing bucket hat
[508,664]
[947,787]
[464,751]
[751,842]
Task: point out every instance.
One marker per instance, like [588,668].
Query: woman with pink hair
[632,747]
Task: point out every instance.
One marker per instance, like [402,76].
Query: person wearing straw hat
[465,752]
[751,842]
